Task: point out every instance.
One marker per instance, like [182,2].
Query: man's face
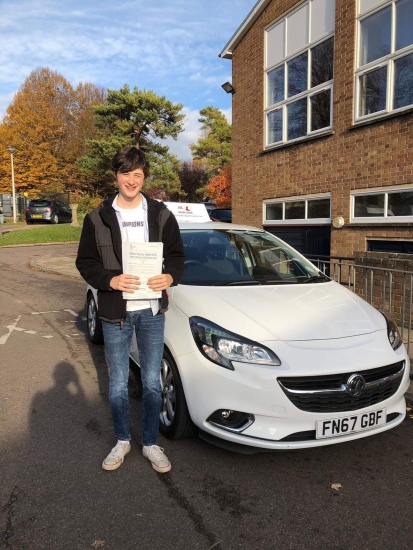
[130,183]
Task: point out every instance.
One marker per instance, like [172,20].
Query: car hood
[319,311]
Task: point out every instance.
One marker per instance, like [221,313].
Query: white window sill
[298,141]
[315,221]
[381,221]
[371,119]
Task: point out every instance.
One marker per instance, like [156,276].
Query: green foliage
[86,205]
[214,147]
[140,118]
[42,234]
[193,178]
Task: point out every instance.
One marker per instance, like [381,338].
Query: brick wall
[370,156]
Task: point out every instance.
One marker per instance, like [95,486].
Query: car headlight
[222,347]
[393,333]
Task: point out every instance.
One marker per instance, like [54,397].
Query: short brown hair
[128,159]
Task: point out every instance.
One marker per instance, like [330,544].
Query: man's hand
[126,283]
[160,282]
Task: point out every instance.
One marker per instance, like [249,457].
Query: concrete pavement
[60,265]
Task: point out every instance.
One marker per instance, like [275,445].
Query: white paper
[144,260]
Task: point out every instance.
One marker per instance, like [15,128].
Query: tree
[213,148]
[139,118]
[44,123]
[193,179]
[218,188]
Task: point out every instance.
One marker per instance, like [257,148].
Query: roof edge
[242,30]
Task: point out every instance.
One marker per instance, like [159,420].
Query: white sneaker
[116,456]
[159,460]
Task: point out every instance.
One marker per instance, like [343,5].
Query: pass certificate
[144,260]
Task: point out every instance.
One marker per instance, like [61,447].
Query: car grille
[324,394]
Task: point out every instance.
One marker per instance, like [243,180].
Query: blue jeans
[150,337]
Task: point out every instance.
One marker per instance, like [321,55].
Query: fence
[389,290]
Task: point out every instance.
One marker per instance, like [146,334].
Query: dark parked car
[221,215]
[209,206]
[50,211]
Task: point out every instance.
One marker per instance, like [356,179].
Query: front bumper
[255,390]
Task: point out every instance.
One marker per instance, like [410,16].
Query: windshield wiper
[314,278]
[247,282]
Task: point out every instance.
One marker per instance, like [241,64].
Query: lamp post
[12,150]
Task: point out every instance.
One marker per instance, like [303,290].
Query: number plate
[350,424]
[37,216]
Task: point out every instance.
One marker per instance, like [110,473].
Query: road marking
[4,338]
[60,311]
[72,312]
[14,328]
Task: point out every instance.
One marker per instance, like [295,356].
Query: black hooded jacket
[99,257]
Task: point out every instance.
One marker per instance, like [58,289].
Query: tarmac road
[55,429]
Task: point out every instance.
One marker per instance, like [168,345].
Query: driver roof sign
[188,212]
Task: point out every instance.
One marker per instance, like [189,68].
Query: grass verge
[42,234]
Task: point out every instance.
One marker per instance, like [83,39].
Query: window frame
[308,93]
[385,61]
[386,191]
[301,198]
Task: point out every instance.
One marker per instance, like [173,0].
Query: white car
[265,351]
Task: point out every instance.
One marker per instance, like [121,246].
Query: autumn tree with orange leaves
[48,123]
[218,188]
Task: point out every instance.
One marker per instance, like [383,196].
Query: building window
[384,77]
[394,205]
[301,210]
[299,61]
[394,245]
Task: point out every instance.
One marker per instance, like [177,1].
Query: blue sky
[169,46]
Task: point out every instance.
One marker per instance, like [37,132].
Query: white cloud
[192,131]
[180,148]
[169,47]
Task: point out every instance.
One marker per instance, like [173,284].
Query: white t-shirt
[133,230]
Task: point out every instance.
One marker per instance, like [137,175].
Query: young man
[131,216]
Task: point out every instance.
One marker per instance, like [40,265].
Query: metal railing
[389,290]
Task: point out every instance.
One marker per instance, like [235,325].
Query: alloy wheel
[91,317]
[168,407]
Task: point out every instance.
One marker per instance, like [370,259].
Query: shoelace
[118,450]
[157,452]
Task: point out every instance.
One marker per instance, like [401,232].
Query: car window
[218,257]
[39,203]
[221,214]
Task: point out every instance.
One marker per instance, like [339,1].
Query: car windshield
[243,257]
[39,203]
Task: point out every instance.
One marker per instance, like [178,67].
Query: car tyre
[29,222]
[94,324]
[55,219]
[175,421]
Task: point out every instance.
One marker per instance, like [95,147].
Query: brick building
[323,123]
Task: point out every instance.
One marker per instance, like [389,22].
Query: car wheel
[29,222]
[175,422]
[55,219]
[94,324]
